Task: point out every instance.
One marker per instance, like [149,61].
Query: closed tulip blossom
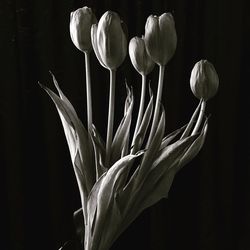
[109,40]
[204,80]
[81,21]
[140,59]
[161,41]
[143,63]
[204,83]
[134,169]
[160,38]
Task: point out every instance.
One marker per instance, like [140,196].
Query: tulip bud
[139,56]
[81,21]
[204,80]
[109,40]
[160,38]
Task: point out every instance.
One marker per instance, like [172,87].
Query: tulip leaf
[62,96]
[128,98]
[194,149]
[167,139]
[158,180]
[79,224]
[167,164]
[122,133]
[126,106]
[152,149]
[143,127]
[135,182]
[75,133]
[192,121]
[102,196]
[99,152]
[92,203]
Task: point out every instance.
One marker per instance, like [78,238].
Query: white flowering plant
[135,168]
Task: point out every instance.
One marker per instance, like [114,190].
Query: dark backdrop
[209,203]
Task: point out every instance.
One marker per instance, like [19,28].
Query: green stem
[200,118]
[110,116]
[88,91]
[157,104]
[141,108]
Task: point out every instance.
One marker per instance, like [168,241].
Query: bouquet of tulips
[134,168]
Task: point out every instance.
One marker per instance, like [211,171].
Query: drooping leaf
[113,179]
[108,185]
[156,184]
[158,180]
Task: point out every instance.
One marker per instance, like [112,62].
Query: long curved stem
[110,116]
[201,115]
[88,91]
[141,108]
[157,104]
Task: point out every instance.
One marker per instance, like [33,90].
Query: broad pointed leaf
[75,133]
[122,134]
[140,136]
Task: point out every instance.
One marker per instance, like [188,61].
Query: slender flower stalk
[110,116]
[88,90]
[157,104]
[141,107]
[200,118]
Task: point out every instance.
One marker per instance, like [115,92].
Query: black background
[209,203]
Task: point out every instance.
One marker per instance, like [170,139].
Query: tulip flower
[204,80]
[160,38]
[81,21]
[110,45]
[143,63]
[109,40]
[204,83]
[140,59]
[161,41]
